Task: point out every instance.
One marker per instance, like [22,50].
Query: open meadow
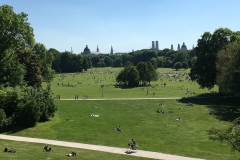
[138,119]
[100,83]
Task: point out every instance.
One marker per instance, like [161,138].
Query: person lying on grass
[179,119]
[9,150]
[71,154]
[94,115]
[67,119]
[118,128]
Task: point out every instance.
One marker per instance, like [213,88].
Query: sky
[125,25]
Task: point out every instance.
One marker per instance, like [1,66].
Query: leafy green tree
[86,63]
[129,75]
[132,76]
[177,65]
[185,65]
[32,64]
[15,32]
[29,113]
[229,134]
[108,61]
[2,118]
[151,73]
[56,59]
[101,64]
[95,60]
[142,69]
[204,70]
[117,62]
[11,71]
[154,62]
[228,68]
[46,61]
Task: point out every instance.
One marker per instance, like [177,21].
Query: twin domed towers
[155,46]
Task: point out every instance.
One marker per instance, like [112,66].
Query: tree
[185,65]
[11,71]
[117,62]
[129,75]
[177,65]
[95,60]
[230,134]
[32,64]
[142,69]
[46,61]
[151,73]
[204,70]
[29,113]
[15,32]
[228,68]
[56,59]
[108,61]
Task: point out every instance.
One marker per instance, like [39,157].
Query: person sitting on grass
[47,149]
[71,154]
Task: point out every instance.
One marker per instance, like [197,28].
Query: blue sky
[125,24]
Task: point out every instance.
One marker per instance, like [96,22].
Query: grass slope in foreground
[139,120]
[34,151]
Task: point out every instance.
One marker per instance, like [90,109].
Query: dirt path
[96,99]
[139,153]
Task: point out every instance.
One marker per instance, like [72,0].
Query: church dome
[86,50]
[184,47]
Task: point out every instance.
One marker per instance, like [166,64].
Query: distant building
[86,50]
[111,51]
[98,49]
[178,47]
[155,45]
[183,47]
[171,47]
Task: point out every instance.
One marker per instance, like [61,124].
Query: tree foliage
[228,68]
[204,70]
[15,32]
[230,134]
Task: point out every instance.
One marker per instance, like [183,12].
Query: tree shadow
[224,108]
[12,130]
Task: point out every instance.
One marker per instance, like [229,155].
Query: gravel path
[139,153]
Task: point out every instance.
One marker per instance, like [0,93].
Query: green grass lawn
[34,151]
[89,83]
[139,120]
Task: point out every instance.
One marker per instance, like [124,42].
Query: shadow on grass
[224,108]
[11,130]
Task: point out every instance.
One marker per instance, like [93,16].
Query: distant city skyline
[125,25]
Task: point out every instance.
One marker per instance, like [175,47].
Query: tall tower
[98,49]
[193,47]
[153,45]
[71,50]
[111,51]
[178,47]
[157,45]
[171,47]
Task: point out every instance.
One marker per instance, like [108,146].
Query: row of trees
[25,64]
[143,73]
[70,62]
